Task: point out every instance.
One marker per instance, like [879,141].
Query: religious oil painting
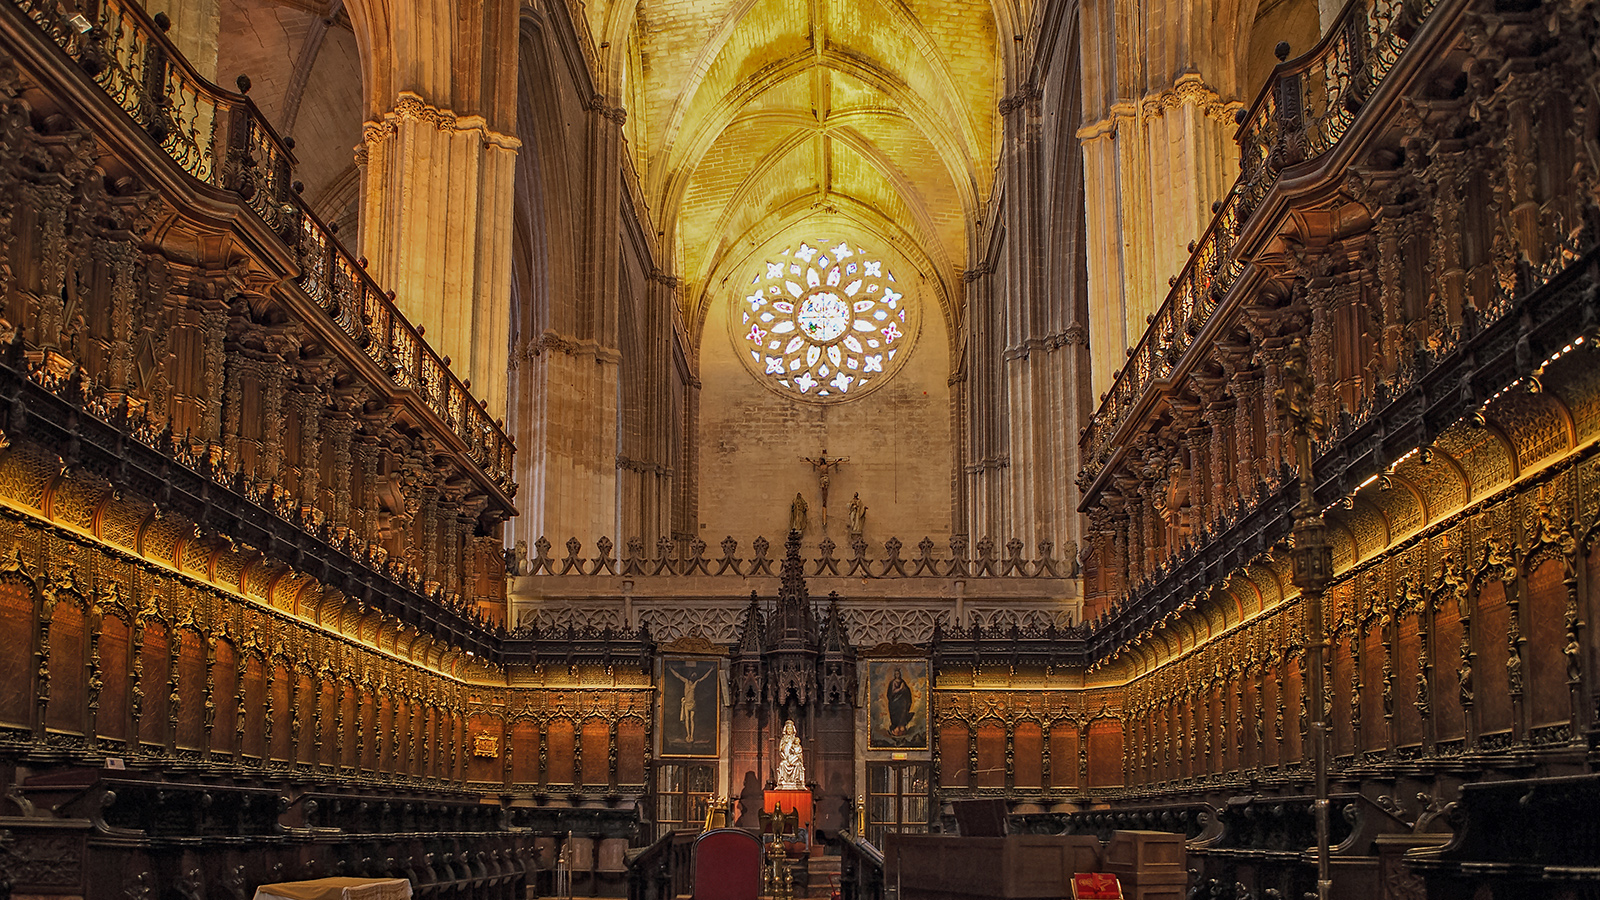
[898,713]
[689,706]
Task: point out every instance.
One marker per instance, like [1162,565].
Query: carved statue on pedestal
[791,768]
[798,520]
[858,515]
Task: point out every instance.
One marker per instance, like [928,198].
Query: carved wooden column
[1320,293]
[1422,602]
[1221,414]
[1197,438]
[175,635]
[92,622]
[408,760]
[136,678]
[366,453]
[343,680]
[269,466]
[1359,622]
[1241,383]
[309,403]
[123,307]
[319,684]
[50,201]
[338,425]
[449,523]
[270,657]
[1245,672]
[428,520]
[1272,352]
[241,665]
[209,703]
[235,366]
[1516,638]
[1388,636]
[213,333]
[295,667]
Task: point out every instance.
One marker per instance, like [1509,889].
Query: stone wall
[897,438]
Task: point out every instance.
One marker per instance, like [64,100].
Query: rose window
[825,321]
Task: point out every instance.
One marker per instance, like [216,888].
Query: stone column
[436,224]
[1153,165]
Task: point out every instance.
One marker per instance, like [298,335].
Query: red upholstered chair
[727,865]
[1096,886]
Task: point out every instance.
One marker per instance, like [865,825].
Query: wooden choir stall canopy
[337,889]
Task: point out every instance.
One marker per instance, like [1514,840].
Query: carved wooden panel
[255,698]
[991,771]
[485,760]
[1247,743]
[16,667]
[1448,722]
[282,715]
[1064,755]
[224,697]
[560,740]
[1028,755]
[1374,727]
[524,752]
[191,688]
[1271,689]
[112,719]
[953,755]
[1491,623]
[1340,688]
[1546,629]
[1406,667]
[1105,753]
[596,752]
[632,751]
[67,676]
[154,665]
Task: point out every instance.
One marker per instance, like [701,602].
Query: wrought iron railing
[220,138]
[1304,111]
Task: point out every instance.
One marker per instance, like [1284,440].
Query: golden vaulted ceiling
[750,118]
[748,121]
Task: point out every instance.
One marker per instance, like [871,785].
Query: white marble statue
[791,769]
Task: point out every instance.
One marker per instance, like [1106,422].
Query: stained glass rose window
[823,320]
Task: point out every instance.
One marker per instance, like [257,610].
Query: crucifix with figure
[825,465]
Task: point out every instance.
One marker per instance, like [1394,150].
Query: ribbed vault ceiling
[750,118]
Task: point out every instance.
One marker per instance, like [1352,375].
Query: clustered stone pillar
[1153,165]
[436,224]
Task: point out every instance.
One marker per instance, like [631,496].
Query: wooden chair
[727,865]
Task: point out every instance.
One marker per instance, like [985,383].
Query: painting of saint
[690,707]
[898,716]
